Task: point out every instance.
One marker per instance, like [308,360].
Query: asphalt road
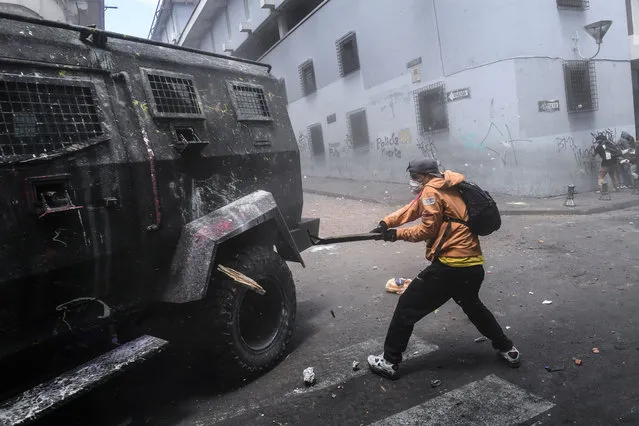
[588,266]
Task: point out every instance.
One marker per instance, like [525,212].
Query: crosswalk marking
[489,401]
[337,369]
[331,369]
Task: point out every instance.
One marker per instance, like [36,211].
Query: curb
[346,196]
[566,211]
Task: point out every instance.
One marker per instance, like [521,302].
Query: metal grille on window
[573,4]
[41,118]
[174,95]
[581,86]
[250,102]
[347,54]
[431,108]
[358,129]
[307,78]
[317,140]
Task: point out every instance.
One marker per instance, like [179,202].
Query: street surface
[588,266]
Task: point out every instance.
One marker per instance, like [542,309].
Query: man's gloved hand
[390,235]
[379,228]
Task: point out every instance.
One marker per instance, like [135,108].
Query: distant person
[609,153]
[628,146]
[456,270]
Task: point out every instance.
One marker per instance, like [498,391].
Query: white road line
[489,401]
[337,368]
[330,370]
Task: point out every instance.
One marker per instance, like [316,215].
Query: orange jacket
[437,200]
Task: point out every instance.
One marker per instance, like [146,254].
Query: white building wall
[220,32]
[52,10]
[509,53]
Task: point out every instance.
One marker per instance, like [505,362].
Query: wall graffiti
[303,142]
[610,134]
[389,145]
[426,145]
[334,149]
[564,143]
[583,156]
[507,143]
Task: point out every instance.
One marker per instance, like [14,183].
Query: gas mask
[415,186]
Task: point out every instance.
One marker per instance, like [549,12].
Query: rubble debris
[578,362]
[309,376]
[553,369]
[507,327]
[531,293]
[595,350]
[481,339]
[546,302]
[333,396]
[356,366]
[435,383]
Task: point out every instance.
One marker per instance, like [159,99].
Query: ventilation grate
[347,54]
[174,95]
[307,78]
[573,4]
[41,118]
[250,102]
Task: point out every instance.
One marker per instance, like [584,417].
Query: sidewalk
[395,194]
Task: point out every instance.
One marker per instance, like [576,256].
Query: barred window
[307,78]
[317,140]
[358,129]
[347,54]
[41,118]
[249,102]
[581,86]
[432,113]
[172,95]
[573,4]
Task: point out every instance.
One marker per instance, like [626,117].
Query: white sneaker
[379,365]
[512,356]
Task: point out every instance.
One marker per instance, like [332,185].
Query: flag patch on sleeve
[428,201]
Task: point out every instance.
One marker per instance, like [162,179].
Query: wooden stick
[240,278]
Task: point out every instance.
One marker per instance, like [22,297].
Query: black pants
[431,289]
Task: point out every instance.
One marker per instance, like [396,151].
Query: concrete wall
[219,31]
[80,12]
[176,21]
[508,52]
[47,9]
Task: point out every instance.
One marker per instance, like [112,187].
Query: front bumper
[300,234]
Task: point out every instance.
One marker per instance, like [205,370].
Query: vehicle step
[35,402]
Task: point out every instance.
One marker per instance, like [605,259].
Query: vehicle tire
[251,332]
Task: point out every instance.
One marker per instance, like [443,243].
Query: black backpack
[613,149]
[483,214]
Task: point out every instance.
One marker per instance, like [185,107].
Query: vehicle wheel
[251,332]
